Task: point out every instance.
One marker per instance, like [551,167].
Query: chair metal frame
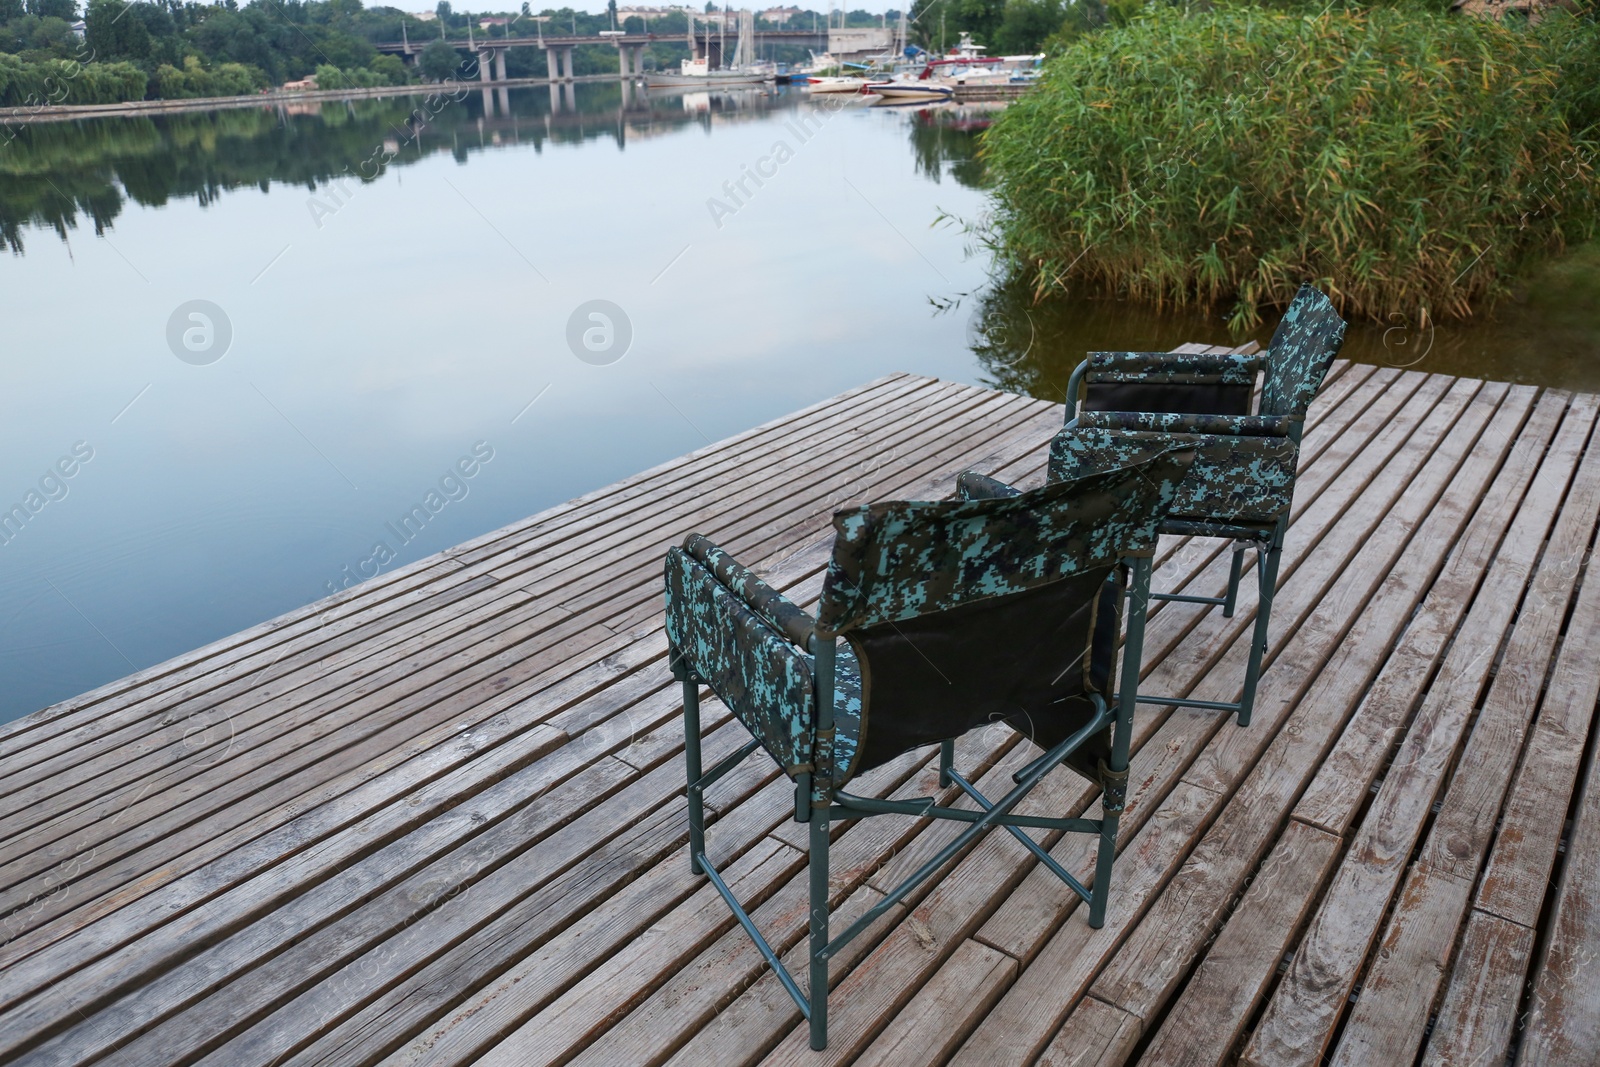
[821,807]
[1267,538]
[820,804]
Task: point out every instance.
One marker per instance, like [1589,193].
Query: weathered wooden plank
[1405,977]
[1403,677]
[699,996]
[1205,1023]
[628,985]
[400,870]
[1340,786]
[1168,741]
[1410,961]
[1517,877]
[1097,1035]
[338,818]
[1059,974]
[1564,1020]
[300,1021]
[1215,767]
[1478,1018]
[1307,1005]
[1140,977]
[1143,976]
[543,1024]
[1479,1013]
[965,987]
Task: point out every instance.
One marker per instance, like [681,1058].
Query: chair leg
[691,762]
[947,759]
[1268,583]
[1115,785]
[818,995]
[1235,569]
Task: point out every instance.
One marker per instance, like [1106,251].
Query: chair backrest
[1303,348]
[962,613]
[897,560]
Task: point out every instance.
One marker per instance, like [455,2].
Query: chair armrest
[1161,422]
[1154,368]
[1164,381]
[772,606]
[970,485]
[716,636]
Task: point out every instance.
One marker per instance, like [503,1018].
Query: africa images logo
[52,486]
[452,486]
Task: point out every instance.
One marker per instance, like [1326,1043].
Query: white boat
[697,74]
[835,85]
[973,74]
[910,90]
[818,64]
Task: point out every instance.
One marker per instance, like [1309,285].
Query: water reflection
[1548,335]
[944,139]
[60,175]
[381,330]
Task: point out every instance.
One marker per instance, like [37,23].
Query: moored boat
[835,84]
[697,73]
[910,90]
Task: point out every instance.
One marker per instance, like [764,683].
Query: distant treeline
[178,49]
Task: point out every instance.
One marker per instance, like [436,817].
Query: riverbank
[63,112]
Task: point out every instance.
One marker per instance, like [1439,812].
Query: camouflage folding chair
[1242,483]
[934,618]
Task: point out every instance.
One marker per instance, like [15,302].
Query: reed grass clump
[1409,162]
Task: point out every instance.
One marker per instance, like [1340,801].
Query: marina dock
[438,818]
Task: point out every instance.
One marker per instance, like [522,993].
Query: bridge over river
[490,53]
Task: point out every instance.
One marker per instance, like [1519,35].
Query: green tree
[1026,24]
[53,9]
[981,18]
[390,68]
[438,61]
[10,10]
[113,33]
[1087,16]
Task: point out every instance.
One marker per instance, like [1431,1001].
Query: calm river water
[232,364]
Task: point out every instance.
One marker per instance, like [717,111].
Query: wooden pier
[438,818]
[966,94]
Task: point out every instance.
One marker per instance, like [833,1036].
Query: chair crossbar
[706,780]
[789,984]
[1185,702]
[981,821]
[1254,533]
[851,807]
[1092,826]
[1189,598]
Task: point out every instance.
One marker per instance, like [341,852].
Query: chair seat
[1186,423]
